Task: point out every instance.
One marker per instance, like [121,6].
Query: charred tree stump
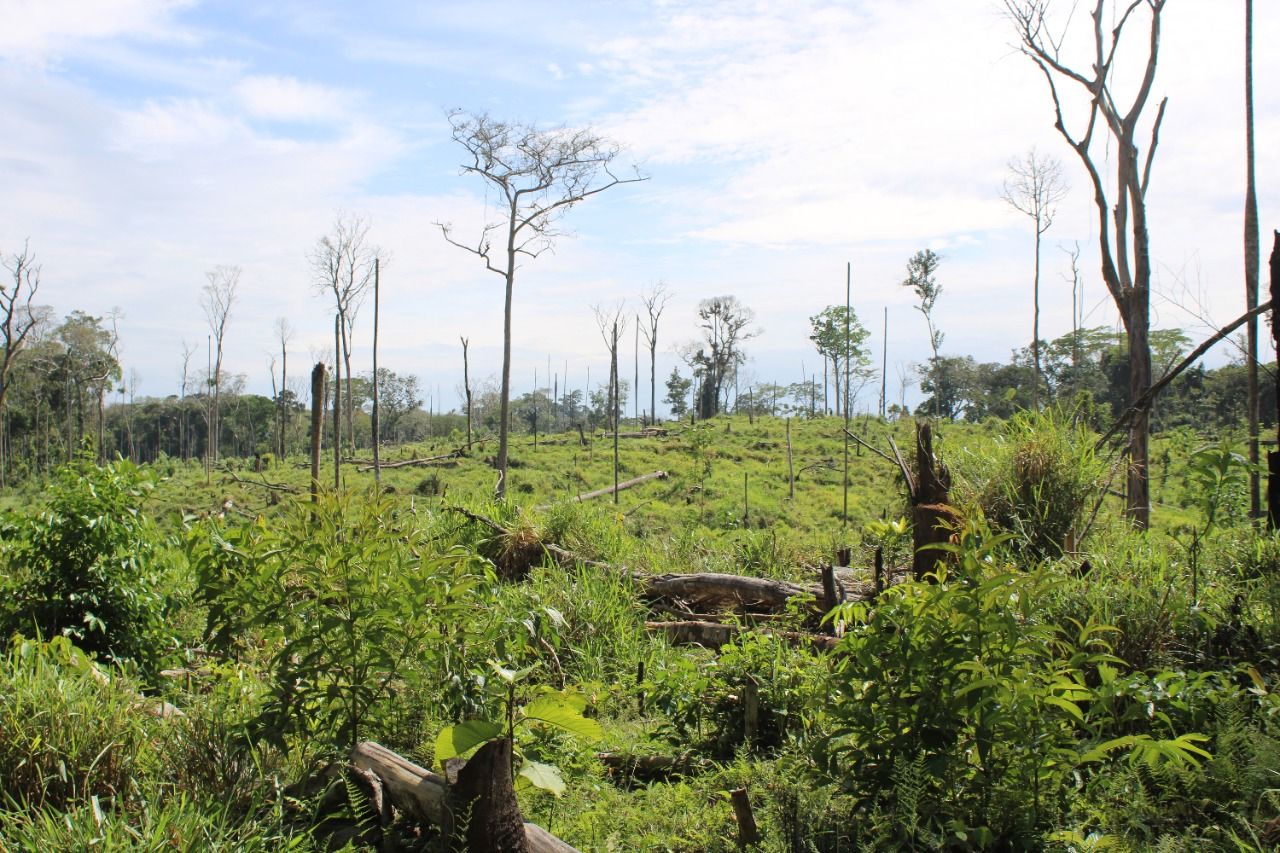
[748,834]
[930,513]
[484,803]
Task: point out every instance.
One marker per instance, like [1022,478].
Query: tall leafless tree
[655,302]
[538,175]
[1124,244]
[1034,188]
[284,334]
[17,319]
[1251,263]
[219,297]
[613,325]
[342,264]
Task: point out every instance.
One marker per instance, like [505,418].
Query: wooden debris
[714,635]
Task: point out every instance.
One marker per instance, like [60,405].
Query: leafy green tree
[677,393]
[841,339]
[726,323]
[88,564]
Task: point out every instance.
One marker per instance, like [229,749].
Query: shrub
[1042,478]
[87,565]
[65,735]
[347,597]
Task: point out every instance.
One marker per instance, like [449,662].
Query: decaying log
[625,484]
[714,635]
[650,432]
[407,463]
[714,591]
[425,796]
[648,768]
[748,833]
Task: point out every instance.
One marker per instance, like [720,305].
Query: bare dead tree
[219,296]
[539,175]
[1034,188]
[466,384]
[373,415]
[655,302]
[284,334]
[1251,265]
[342,264]
[17,319]
[613,324]
[184,429]
[1120,204]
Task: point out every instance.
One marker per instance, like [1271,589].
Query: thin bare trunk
[1251,264]
[337,402]
[373,415]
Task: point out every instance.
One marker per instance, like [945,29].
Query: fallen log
[265,484]
[625,484]
[406,463]
[648,768]
[715,591]
[714,635]
[424,795]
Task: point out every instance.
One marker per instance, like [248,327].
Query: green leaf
[564,712]
[544,776]
[464,737]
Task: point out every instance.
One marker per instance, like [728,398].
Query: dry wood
[625,484]
[748,834]
[714,635]
[722,591]
[276,487]
[650,432]
[648,768]
[424,795]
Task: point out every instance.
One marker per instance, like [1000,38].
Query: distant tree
[219,296]
[677,393]
[922,278]
[398,395]
[538,175]
[726,324]
[835,332]
[342,266]
[1034,188]
[1121,204]
[655,301]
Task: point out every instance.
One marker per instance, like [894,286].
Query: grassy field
[1115,695]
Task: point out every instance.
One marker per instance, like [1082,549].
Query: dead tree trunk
[466,383]
[485,800]
[1273,457]
[317,426]
[930,513]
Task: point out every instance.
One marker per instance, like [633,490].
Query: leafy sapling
[558,710]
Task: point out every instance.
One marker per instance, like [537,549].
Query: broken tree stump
[931,516]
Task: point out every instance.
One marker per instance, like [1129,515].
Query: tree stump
[486,815]
[931,516]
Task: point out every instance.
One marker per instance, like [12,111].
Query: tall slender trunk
[337,402]
[613,374]
[1251,252]
[284,400]
[504,403]
[466,385]
[1035,324]
[373,415]
[317,427]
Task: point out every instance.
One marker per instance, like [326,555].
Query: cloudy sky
[146,141]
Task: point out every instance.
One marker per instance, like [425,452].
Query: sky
[148,141]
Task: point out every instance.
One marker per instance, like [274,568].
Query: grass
[122,779]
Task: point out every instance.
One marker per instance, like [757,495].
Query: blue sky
[148,141]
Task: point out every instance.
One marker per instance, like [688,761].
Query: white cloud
[34,30]
[276,98]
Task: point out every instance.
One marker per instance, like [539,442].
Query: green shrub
[349,599]
[1041,479]
[88,565]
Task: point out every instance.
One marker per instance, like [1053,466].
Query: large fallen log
[406,463]
[713,591]
[424,795]
[714,635]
